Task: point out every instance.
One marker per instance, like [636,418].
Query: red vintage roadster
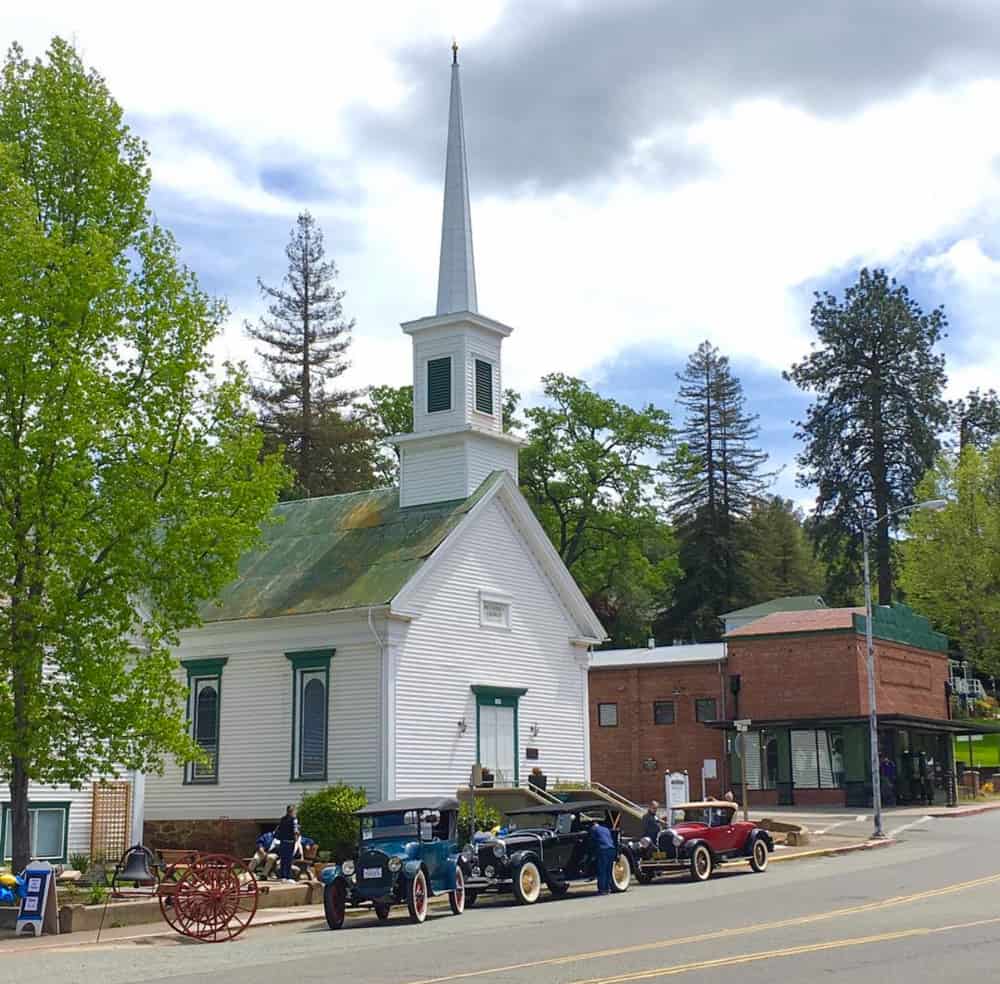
[700,837]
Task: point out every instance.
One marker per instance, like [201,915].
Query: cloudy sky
[645,175]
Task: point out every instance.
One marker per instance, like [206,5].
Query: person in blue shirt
[264,858]
[603,846]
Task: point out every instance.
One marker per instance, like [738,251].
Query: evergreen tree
[872,432]
[779,554]
[305,339]
[976,419]
[718,477]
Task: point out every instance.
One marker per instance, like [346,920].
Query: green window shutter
[484,387]
[438,384]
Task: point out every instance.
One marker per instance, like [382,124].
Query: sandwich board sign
[38,912]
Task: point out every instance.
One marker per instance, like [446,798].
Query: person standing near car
[286,833]
[651,822]
[603,846]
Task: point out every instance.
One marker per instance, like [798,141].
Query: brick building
[800,677]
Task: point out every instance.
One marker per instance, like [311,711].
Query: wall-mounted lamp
[534,730]
[462,726]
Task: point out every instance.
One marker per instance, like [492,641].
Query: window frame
[304,662]
[62,806]
[201,671]
[607,703]
[673,712]
[697,713]
[427,384]
[495,598]
[476,363]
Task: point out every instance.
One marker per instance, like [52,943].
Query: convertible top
[572,807]
[439,803]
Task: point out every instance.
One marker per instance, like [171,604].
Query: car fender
[757,834]
[519,857]
[331,873]
[410,869]
[687,848]
[630,855]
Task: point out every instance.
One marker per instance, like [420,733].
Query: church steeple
[457,268]
[458,438]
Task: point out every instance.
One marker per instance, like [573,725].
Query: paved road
[925,910]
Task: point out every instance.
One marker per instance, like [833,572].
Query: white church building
[392,639]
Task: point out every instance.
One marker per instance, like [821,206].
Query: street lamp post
[934,504]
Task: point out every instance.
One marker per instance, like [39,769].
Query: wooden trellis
[110,819]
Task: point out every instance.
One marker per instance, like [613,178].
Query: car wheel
[382,911]
[527,883]
[335,904]
[621,874]
[456,899]
[701,864]
[416,897]
[758,856]
[470,898]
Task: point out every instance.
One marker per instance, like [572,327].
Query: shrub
[486,817]
[79,862]
[987,787]
[96,895]
[328,818]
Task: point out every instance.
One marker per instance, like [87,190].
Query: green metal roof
[900,623]
[338,552]
[793,603]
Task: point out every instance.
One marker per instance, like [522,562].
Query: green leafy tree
[719,475]
[305,341]
[951,559]
[976,419]
[130,479]
[590,472]
[779,553]
[871,433]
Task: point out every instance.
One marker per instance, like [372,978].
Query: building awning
[904,721]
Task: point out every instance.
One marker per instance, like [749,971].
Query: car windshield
[534,821]
[389,825]
[711,816]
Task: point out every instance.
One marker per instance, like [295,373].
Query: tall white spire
[457,269]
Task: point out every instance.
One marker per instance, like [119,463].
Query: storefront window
[813,759]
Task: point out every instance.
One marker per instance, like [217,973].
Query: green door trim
[500,697]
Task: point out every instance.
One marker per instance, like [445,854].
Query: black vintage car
[545,845]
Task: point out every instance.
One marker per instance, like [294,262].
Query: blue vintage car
[407,852]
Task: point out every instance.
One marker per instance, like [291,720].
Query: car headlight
[347,867]
[490,871]
[395,864]
[645,843]
[677,839]
[499,850]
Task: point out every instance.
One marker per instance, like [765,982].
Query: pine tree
[779,553]
[872,432]
[305,341]
[718,478]
[976,419]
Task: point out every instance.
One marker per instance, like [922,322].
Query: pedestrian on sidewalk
[603,846]
[286,833]
[651,822]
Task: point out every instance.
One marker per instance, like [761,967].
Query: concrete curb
[827,852]
[956,813]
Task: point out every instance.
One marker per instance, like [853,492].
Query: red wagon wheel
[214,898]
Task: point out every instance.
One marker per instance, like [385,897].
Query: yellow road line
[791,951]
[722,933]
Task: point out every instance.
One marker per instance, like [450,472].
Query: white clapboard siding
[487,348]
[432,474]
[255,734]
[445,650]
[486,456]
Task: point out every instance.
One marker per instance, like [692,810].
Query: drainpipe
[388,717]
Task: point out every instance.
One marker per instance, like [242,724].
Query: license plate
[371,873]
[659,855]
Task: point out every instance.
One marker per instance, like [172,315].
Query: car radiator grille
[372,887]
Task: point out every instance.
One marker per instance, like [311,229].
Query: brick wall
[234,837]
[908,680]
[617,753]
[799,676]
